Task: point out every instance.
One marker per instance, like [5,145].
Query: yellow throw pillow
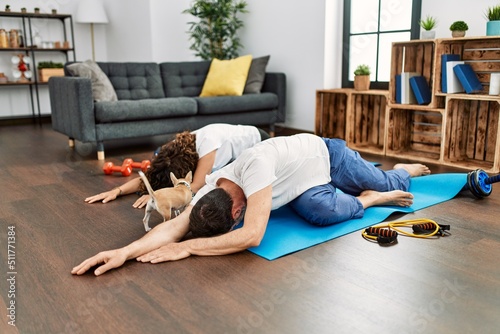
[227,77]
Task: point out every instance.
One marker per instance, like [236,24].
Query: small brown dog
[167,199]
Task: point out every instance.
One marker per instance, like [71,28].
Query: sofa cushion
[184,78]
[256,75]
[227,77]
[129,110]
[102,89]
[134,81]
[226,104]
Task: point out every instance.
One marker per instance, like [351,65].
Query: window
[370,27]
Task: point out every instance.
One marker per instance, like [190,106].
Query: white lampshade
[91,11]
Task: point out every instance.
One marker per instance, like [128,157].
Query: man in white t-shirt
[302,170]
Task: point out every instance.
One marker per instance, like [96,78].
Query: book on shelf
[407,96]
[420,89]
[398,88]
[444,59]
[468,78]
[453,85]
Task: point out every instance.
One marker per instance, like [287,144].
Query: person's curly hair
[178,156]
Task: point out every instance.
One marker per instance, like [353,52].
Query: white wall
[448,11]
[168,28]
[304,39]
[293,33]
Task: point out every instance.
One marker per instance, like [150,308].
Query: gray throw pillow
[256,75]
[102,89]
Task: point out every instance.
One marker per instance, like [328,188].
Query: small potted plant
[54,11]
[362,77]
[493,25]
[47,69]
[7,8]
[428,24]
[23,10]
[37,10]
[458,28]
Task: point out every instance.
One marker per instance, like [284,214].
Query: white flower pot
[427,34]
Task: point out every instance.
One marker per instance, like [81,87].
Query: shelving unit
[31,50]
[460,130]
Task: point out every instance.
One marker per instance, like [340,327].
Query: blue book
[421,89]
[468,78]
[444,59]
[398,88]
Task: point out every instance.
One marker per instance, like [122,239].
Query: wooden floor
[347,285]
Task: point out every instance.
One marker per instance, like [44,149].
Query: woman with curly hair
[202,151]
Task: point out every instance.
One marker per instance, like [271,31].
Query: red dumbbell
[143,165]
[109,168]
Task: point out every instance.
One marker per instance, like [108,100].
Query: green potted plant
[37,10]
[458,28]
[7,8]
[23,10]
[362,77]
[47,69]
[428,24]
[214,35]
[493,25]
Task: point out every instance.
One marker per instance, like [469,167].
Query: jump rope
[478,183]
[387,233]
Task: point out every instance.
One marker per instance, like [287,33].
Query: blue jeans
[323,205]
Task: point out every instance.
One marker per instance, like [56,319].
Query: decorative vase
[493,28]
[361,82]
[427,34]
[458,33]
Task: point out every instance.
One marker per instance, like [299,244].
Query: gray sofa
[156,99]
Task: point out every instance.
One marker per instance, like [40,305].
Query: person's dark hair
[212,214]
[178,156]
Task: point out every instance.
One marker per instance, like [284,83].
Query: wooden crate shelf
[414,134]
[366,121]
[481,53]
[471,139]
[331,111]
[414,56]
[460,130]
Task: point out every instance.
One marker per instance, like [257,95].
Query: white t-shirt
[290,164]
[228,140]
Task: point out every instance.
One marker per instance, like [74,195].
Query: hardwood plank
[445,285]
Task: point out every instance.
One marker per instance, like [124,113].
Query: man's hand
[111,259]
[170,252]
[141,202]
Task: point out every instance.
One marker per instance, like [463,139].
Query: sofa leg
[71,143]
[272,132]
[100,155]
[100,150]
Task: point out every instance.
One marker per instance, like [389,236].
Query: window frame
[414,34]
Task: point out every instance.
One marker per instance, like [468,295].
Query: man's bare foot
[414,169]
[370,198]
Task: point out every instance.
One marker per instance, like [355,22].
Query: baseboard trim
[24,120]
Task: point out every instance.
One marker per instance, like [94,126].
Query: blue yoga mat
[287,232]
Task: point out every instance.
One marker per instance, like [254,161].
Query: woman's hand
[106,197]
[141,202]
